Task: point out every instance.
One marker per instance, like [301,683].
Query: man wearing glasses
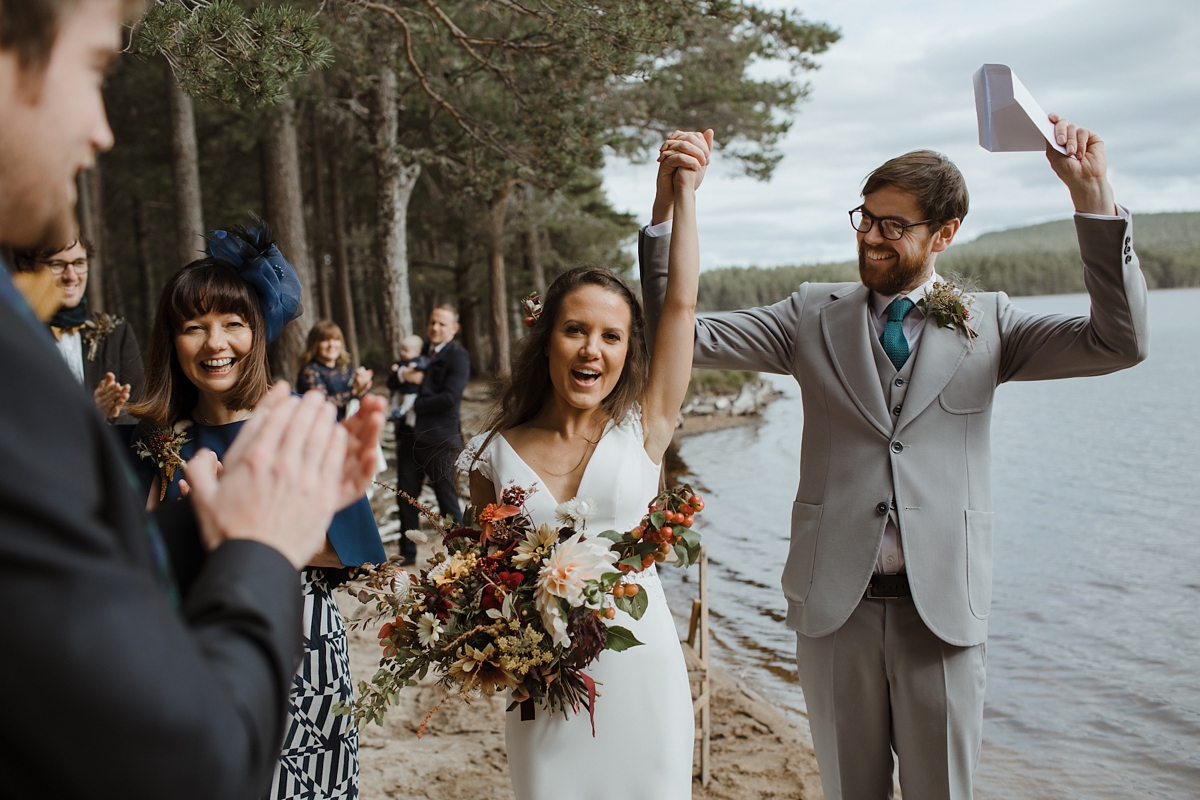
[101,349]
[889,574]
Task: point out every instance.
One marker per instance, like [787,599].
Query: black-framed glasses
[889,228]
[80,265]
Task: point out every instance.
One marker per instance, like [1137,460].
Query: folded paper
[1010,120]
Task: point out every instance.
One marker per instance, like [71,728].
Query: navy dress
[320,750]
[336,382]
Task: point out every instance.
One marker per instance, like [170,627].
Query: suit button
[881,509]
[899,381]
[1127,249]
[896,410]
[897,447]
[1128,240]
[1128,259]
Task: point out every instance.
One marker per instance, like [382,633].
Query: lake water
[1094,650]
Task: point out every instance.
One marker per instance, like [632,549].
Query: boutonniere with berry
[163,447]
[948,303]
[96,330]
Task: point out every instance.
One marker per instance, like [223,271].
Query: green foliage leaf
[620,639]
[633,606]
[658,519]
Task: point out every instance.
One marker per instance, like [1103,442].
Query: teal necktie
[893,340]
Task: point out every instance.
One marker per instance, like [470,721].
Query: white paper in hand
[1010,120]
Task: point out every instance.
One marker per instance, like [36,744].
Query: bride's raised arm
[683,159]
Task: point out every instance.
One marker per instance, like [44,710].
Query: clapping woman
[325,366]
[206,371]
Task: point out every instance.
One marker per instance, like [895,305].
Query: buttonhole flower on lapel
[96,330]
[948,303]
[163,447]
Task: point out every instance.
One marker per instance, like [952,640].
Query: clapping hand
[362,456]
[283,477]
[110,396]
[683,150]
[362,380]
[1084,169]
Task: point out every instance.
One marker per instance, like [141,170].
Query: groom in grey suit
[889,574]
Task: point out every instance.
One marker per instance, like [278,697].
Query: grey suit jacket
[934,461]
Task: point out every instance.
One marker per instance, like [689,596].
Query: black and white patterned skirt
[320,750]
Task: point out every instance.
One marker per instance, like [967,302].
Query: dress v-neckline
[608,426]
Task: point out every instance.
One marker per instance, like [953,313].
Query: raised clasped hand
[1084,169]
[688,151]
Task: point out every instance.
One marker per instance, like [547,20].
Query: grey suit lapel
[938,355]
[847,335]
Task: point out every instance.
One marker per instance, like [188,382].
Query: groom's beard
[902,274]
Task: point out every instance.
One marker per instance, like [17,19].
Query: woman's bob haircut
[202,287]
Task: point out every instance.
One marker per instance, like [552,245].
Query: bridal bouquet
[511,605]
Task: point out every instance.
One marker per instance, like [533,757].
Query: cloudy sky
[900,79]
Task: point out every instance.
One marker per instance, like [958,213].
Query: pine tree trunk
[467,316]
[285,213]
[320,223]
[185,172]
[90,210]
[500,344]
[394,183]
[531,242]
[141,235]
[341,259]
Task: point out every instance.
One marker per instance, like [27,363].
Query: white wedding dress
[645,730]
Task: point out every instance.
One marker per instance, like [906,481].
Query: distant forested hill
[1037,259]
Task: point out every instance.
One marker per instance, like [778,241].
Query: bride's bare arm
[671,361]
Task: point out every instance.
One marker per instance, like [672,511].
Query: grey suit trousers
[883,682]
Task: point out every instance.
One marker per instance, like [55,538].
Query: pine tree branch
[462,39]
[481,137]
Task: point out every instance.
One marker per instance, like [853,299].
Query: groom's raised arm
[1115,335]
[757,339]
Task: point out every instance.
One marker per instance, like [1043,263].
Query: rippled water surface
[1094,655]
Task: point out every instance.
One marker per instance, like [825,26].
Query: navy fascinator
[253,254]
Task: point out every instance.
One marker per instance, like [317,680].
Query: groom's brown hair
[939,187]
[29,27]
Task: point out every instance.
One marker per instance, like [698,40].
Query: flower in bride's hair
[419,537]
[564,576]
[536,545]
[429,630]
[576,512]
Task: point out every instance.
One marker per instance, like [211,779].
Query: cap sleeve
[474,457]
[633,422]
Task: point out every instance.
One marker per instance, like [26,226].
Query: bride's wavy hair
[529,386]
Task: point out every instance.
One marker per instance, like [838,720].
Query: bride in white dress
[588,414]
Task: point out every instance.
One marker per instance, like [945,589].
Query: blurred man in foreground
[121,688]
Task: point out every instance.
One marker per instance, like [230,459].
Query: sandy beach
[757,751]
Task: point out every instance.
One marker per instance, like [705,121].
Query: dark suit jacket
[119,354]
[113,690]
[440,396]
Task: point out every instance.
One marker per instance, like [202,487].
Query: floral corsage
[948,303]
[96,330]
[164,448]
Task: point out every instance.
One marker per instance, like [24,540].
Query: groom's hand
[688,150]
[1084,169]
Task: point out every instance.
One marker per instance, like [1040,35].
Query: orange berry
[619,590]
[631,589]
[666,532]
[610,612]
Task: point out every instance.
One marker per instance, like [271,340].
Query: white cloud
[900,79]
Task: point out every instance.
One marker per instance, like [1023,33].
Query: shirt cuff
[661,229]
[1122,213]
